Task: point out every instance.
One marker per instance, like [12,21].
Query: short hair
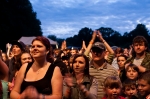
[112,82]
[133,67]
[145,76]
[140,39]
[129,83]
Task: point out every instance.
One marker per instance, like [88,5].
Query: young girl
[112,88]
[132,71]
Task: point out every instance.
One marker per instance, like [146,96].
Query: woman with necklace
[80,84]
[39,79]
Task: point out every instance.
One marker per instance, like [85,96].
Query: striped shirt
[101,74]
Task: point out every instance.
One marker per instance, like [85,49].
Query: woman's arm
[110,50]
[3,71]
[57,85]
[90,43]
[15,93]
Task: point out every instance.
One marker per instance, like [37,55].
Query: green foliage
[113,37]
[17,19]
[54,38]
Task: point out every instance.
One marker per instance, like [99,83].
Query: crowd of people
[96,71]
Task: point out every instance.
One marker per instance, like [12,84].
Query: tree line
[113,37]
[18,19]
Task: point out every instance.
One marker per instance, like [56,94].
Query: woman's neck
[41,63]
[79,77]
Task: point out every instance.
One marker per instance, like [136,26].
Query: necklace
[79,81]
[38,71]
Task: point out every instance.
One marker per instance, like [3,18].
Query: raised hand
[99,35]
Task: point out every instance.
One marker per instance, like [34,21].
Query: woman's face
[121,60]
[26,58]
[38,49]
[16,50]
[79,65]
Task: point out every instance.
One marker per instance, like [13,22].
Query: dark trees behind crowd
[18,19]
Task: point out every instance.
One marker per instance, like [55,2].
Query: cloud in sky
[64,18]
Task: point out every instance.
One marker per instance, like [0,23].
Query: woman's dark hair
[16,63]
[47,44]
[122,56]
[86,69]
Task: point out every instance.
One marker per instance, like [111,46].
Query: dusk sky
[64,18]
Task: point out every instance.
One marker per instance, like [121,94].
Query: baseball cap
[20,44]
[99,45]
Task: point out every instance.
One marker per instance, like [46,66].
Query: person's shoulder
[110,66]
[23,67]
[147,54]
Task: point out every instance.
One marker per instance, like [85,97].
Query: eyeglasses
[97,50]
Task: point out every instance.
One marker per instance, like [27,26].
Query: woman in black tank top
[39,79]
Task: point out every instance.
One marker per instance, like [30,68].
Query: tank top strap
[50,71]
[28,67]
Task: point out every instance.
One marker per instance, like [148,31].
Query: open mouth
[115,95]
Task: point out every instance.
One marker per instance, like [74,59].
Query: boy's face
[129,91]
[143,87]
[131,73]
[113,93]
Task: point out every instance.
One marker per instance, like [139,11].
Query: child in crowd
[112,88]
[132,72]
[144,85]
[130,89]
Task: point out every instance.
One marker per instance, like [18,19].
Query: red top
[120,97]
